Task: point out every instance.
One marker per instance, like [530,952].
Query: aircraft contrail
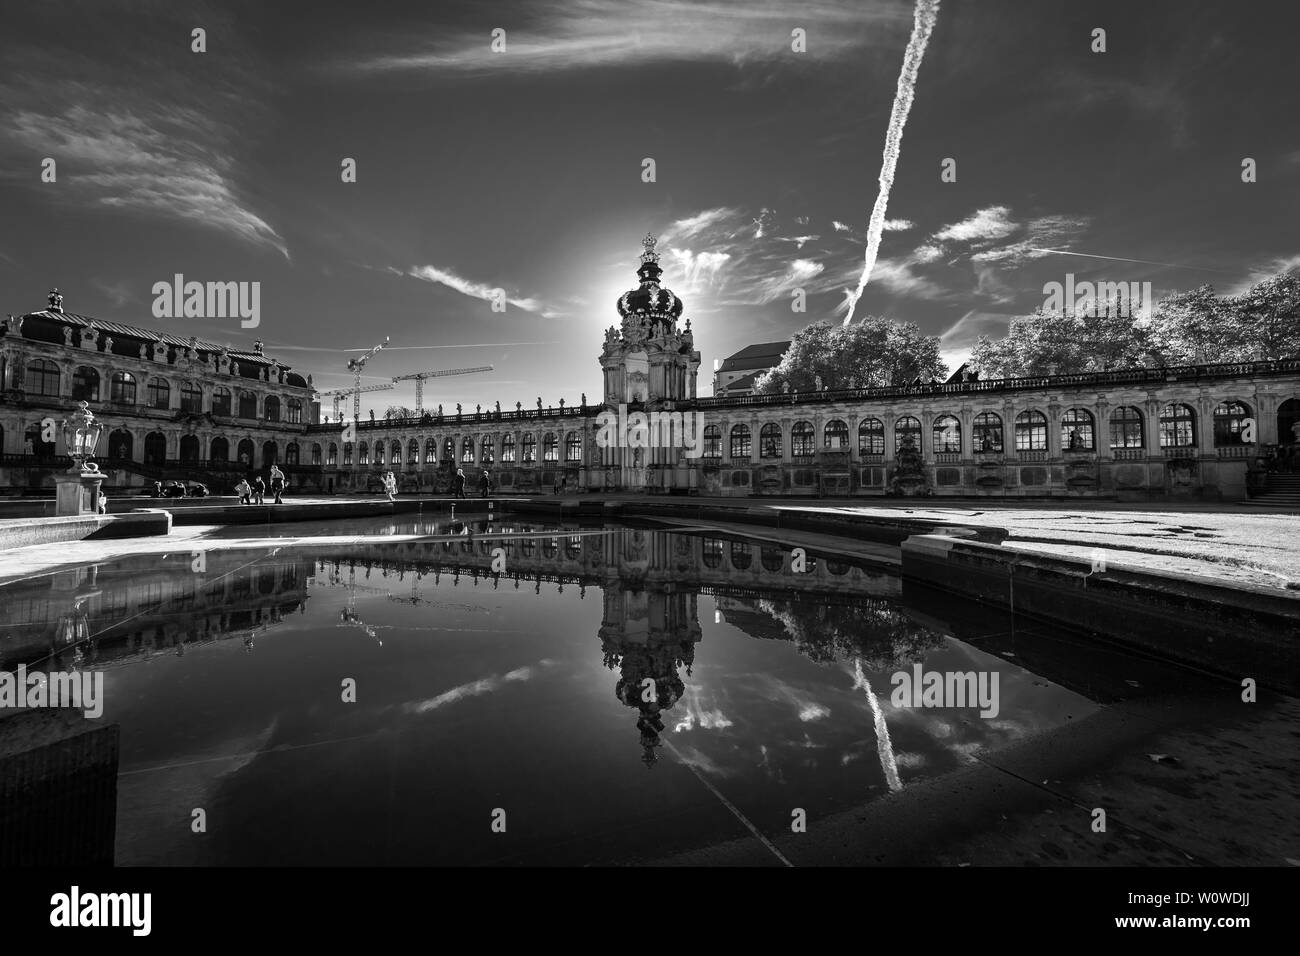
[1149,262]
[924,17]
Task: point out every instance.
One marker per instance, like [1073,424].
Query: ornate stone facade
[174,407]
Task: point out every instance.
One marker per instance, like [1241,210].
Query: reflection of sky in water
[473,696]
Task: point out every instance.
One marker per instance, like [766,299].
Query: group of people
[255,493]
[179,489]
[459,482]
[1282,459]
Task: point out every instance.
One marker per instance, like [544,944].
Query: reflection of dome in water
[659,663]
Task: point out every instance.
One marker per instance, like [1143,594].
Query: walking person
[244,490]
[259,491]
[277,484]
[458,484]
[103,503]
[485,484]
[390,486]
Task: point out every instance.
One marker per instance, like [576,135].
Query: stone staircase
[1280,492]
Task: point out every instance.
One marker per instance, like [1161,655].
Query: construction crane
[421,376]
[339,393]
[356,365]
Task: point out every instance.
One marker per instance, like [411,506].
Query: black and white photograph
[575,435]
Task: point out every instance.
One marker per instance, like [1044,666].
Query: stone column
[1152,424]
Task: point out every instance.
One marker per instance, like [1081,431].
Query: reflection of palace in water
[650,582]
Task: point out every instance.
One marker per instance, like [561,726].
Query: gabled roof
[763,355]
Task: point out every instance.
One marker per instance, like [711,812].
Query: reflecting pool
[605,695]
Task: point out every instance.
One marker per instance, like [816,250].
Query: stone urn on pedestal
[77,489]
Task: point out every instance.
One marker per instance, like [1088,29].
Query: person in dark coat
[485,484]
[259,491]
[458,483]
[277,484]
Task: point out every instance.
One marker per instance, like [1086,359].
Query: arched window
[221,401]
[508,448]
[245,452]
[270,454]
[907,430]
[219,450]
[530,447]
[1031,431]
[413,452]
[380,453]
[772,559]
[712,441]
[272,407]
[247,405]
[946,434]
[550,447]
[431,451]
[1230,420]
[42,378]
[1077,430]
[467,450]
[487,453]
[1177,426]
[742,556]
[85,384]
[159,393]
[191,398]
[1126,428]
[315,454]
[712,552]
[291,453]
[449,449]
[120,445]
[395,453]
[871,437]
[986,434]
[332,455]
[347,453]
[573,447]
[295,411]
[363,453]
[769,440]
[121,388]
[803,439]
[836,434]
[189,448]
[741,441]
[155,448]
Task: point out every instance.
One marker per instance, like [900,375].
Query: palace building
[173,407]
[189,409]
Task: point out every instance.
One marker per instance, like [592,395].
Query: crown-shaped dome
[650,300]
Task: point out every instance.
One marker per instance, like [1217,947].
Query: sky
[523,169]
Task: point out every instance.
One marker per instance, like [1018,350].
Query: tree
[1267,318]
[401,411]
[874,352]
[1190,328]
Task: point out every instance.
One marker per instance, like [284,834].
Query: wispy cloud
[134,134]
[993,222]
[159,161]
[579,34]
[477,290]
